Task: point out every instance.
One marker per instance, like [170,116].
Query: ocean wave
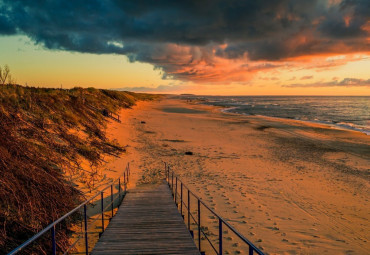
[352,113]
[331,123]
[352,126]
[229,110]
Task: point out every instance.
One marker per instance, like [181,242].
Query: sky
[219,47]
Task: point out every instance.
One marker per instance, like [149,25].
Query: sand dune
[290,187]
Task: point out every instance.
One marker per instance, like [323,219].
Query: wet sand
[290,187]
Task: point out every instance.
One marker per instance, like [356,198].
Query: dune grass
[45,134]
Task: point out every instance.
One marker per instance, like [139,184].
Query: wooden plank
[147,222]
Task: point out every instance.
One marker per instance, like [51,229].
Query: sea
[347,112]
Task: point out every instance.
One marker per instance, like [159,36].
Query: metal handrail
[51,226]
[110,114]
[170,175]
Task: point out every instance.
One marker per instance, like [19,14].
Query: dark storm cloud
[228,29]
[6,26]
[356,11]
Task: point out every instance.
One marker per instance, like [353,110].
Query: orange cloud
[203,65]
[307,77]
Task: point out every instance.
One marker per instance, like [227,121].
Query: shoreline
[226,108]
[288,186]
[326,123]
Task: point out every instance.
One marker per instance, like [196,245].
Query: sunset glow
[184,127]
[309,49]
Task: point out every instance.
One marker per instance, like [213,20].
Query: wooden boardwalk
[147,222]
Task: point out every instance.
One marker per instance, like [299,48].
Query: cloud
[353,16]
[346,82]
[307,77]
[6,25]
[194,40]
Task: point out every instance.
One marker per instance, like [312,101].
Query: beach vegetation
[45,135]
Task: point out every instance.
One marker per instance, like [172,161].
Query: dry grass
[38,149]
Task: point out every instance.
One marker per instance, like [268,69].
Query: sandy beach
[290,187]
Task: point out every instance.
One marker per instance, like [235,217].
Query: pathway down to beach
[147,222]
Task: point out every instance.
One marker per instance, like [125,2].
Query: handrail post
[172,183]
[124,181]
[165,170]
[54,246]
[176,193]
[102,210]
[119,191]
[188,209]
[86,241]
[181,200]
[168,174]
[111,197]
[199,224]
[219,236]
[250,250]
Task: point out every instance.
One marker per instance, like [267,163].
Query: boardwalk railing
[105,112]
[203,220]
[114,116]
[92,215]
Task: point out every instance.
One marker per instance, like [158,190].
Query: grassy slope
[45,133]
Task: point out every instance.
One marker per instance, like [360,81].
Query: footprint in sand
[273,228]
